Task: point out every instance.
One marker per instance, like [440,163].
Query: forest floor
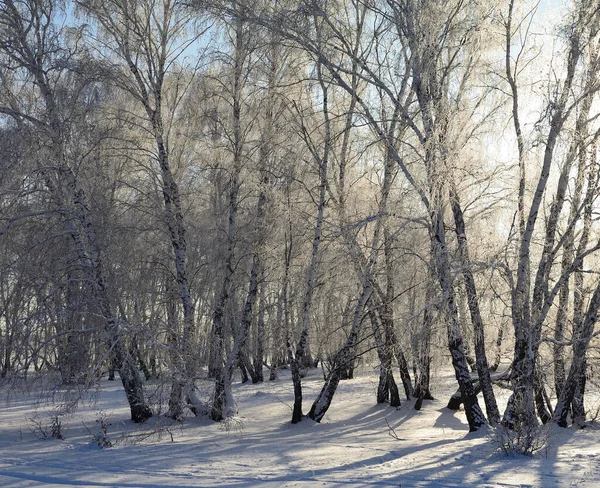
[358,444]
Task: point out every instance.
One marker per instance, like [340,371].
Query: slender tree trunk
[66,190]
[423,351]
[528,316]
[577,148]
[83,234]
[539,389]
[347,354]
[175,397]
[483,370]
[475,417]
[499,340]
[223,401]
[387,390]
[578,407]
[176,226]
[577,369]
[217,354]
[296,360]
[582,325]
[465,326]
[383,393]
[260,337]
[387,320]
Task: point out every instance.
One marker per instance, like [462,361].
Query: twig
[392,432]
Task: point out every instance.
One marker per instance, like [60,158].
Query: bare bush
[100,437]
[523,440]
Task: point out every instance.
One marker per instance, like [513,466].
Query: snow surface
[352,447]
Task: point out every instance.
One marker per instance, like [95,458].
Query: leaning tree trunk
[578,148]
[29,38]
[90,257]
[527,315]
[475,417]
[343,358]
[181,384]
[296,360]
[583,326]
[481,362]
[83,233]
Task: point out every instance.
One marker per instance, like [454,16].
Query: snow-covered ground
[358,444]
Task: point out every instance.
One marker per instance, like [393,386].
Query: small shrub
[56,427]
[38,428]
[524,440]
[51,429]
[156,430]
[101,437]
[233,424]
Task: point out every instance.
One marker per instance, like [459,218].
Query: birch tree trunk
[260,337]
[473,412]
[578,149]
[577,369]
[322,161]
[223,402]
[387,320]
[422,346]
[483,369]
[387,390]
[347,354]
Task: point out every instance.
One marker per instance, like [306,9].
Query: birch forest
[226,189]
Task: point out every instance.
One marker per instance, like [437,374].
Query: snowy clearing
[352,447]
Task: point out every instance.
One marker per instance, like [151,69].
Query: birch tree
[31,43]
[149,38]
[532,298]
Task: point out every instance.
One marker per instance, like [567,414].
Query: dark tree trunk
[343,358]
[483,369]
[456,399]
[499,340]
[578,408]
[577,371]
[243,365]
[540,399]
[302,357]
[423,356]
[475,417]
[259,358]
[273,370]
[404,373]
